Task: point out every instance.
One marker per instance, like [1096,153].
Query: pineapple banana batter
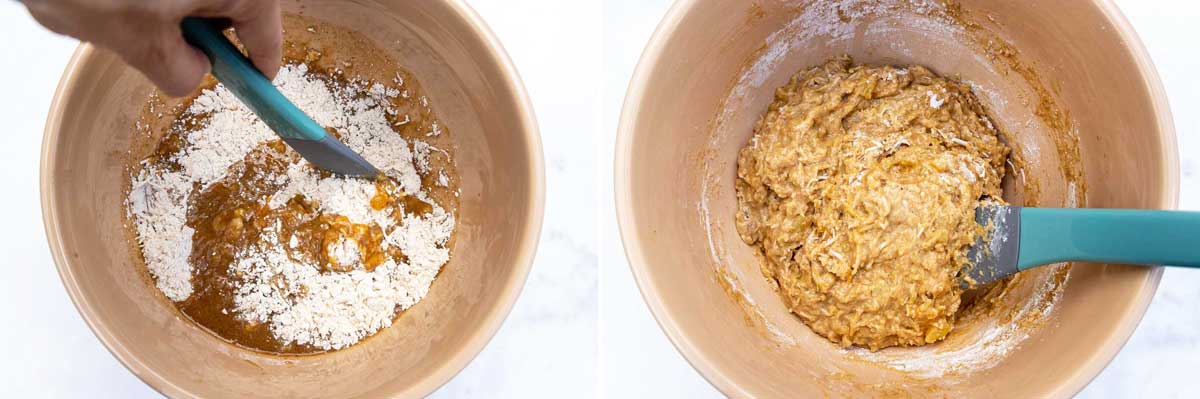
[859,188]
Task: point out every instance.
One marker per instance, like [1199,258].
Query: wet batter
[859,188]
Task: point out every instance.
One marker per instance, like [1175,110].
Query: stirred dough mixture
[859,188]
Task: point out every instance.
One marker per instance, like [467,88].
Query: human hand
[146,33]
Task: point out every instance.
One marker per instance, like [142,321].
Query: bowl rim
[475,343]
[697,358]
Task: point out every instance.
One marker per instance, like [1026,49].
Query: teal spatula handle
[1122,236]
[246,82]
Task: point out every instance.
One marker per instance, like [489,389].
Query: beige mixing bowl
[1068,80]
[478,96]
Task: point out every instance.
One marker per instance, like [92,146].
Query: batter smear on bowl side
[251,242]
[859,188]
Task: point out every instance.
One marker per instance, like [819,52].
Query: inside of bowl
[475,94]
[1060,81]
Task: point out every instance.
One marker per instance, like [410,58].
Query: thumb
[174,66]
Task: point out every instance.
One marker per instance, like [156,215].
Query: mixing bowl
[1069,83]
[479,97]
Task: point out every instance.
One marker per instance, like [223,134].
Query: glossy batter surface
[859,188]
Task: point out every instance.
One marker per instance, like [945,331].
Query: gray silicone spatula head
[296,128]
[994,254]
[331,155]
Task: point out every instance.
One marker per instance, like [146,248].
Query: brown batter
[231,215]
[859,189]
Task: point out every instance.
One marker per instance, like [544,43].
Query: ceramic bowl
[480,98]
[1068,81]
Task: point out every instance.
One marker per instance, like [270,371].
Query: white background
[580,327]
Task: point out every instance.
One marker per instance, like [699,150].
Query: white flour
[302,304]
[345,252]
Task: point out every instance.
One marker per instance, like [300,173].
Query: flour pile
[299,301]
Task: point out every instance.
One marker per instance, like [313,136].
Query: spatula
[1024,238]
[250,86]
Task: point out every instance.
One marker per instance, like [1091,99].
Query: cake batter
[859,188]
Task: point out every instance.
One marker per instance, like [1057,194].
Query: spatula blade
[994,254]
[334,156]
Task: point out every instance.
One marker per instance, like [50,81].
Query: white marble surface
[545,349]
[1160,360]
